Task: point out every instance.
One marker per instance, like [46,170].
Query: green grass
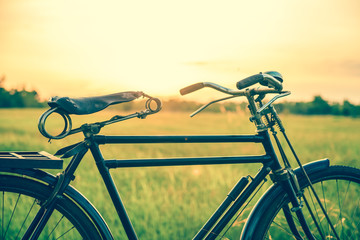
[174,202]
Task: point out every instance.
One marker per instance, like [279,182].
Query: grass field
[174,202]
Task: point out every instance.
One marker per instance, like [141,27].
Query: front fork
[288,180]
[286,176]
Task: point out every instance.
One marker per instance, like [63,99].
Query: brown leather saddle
[88,105]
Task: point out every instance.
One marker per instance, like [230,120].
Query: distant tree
[5,97]
[319,106]
[349,109]
[18,98]
[336,109]
[230,107]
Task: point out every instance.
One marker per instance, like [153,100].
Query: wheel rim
[340,198]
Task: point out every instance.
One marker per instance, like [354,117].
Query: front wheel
[338,188]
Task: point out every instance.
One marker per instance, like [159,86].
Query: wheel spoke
[344,200]
[25,219]
[12,214]
[339,202]
[325,205]
[318,221]
[65,232]
[57,224]
[288,232]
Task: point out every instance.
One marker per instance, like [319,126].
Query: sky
[86,48]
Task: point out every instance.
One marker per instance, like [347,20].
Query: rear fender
[267,199]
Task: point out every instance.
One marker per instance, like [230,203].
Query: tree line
[21,98]
[18,98]
[318,106]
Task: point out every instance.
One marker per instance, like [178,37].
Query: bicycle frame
[238,195]
[241,192]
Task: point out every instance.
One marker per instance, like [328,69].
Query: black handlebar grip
[249,81]
[191,88]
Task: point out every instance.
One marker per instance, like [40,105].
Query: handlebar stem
[256,117]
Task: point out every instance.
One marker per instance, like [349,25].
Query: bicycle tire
[20,201]
[338,187]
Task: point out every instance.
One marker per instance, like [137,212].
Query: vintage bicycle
[311,201]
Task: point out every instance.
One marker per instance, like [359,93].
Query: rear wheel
[20,200]
[338,188]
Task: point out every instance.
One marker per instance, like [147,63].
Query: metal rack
[30,160]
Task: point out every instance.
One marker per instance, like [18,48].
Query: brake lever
[208,104]
[271,101]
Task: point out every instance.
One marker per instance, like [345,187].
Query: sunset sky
[80,48]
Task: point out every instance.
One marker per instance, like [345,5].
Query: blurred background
[81,48]
[86,48]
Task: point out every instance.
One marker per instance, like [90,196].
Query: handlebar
[197,86]
[270,79]
[273,80]
[254,91]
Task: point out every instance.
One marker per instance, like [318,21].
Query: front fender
[71,192]
[266,200]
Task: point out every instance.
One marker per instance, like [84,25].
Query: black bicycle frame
[238,195]
[236,198]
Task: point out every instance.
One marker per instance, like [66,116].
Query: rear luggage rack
[30,160]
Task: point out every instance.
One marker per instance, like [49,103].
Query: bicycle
[312,201]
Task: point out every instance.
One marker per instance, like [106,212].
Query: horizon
[83,49]
[181,98]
